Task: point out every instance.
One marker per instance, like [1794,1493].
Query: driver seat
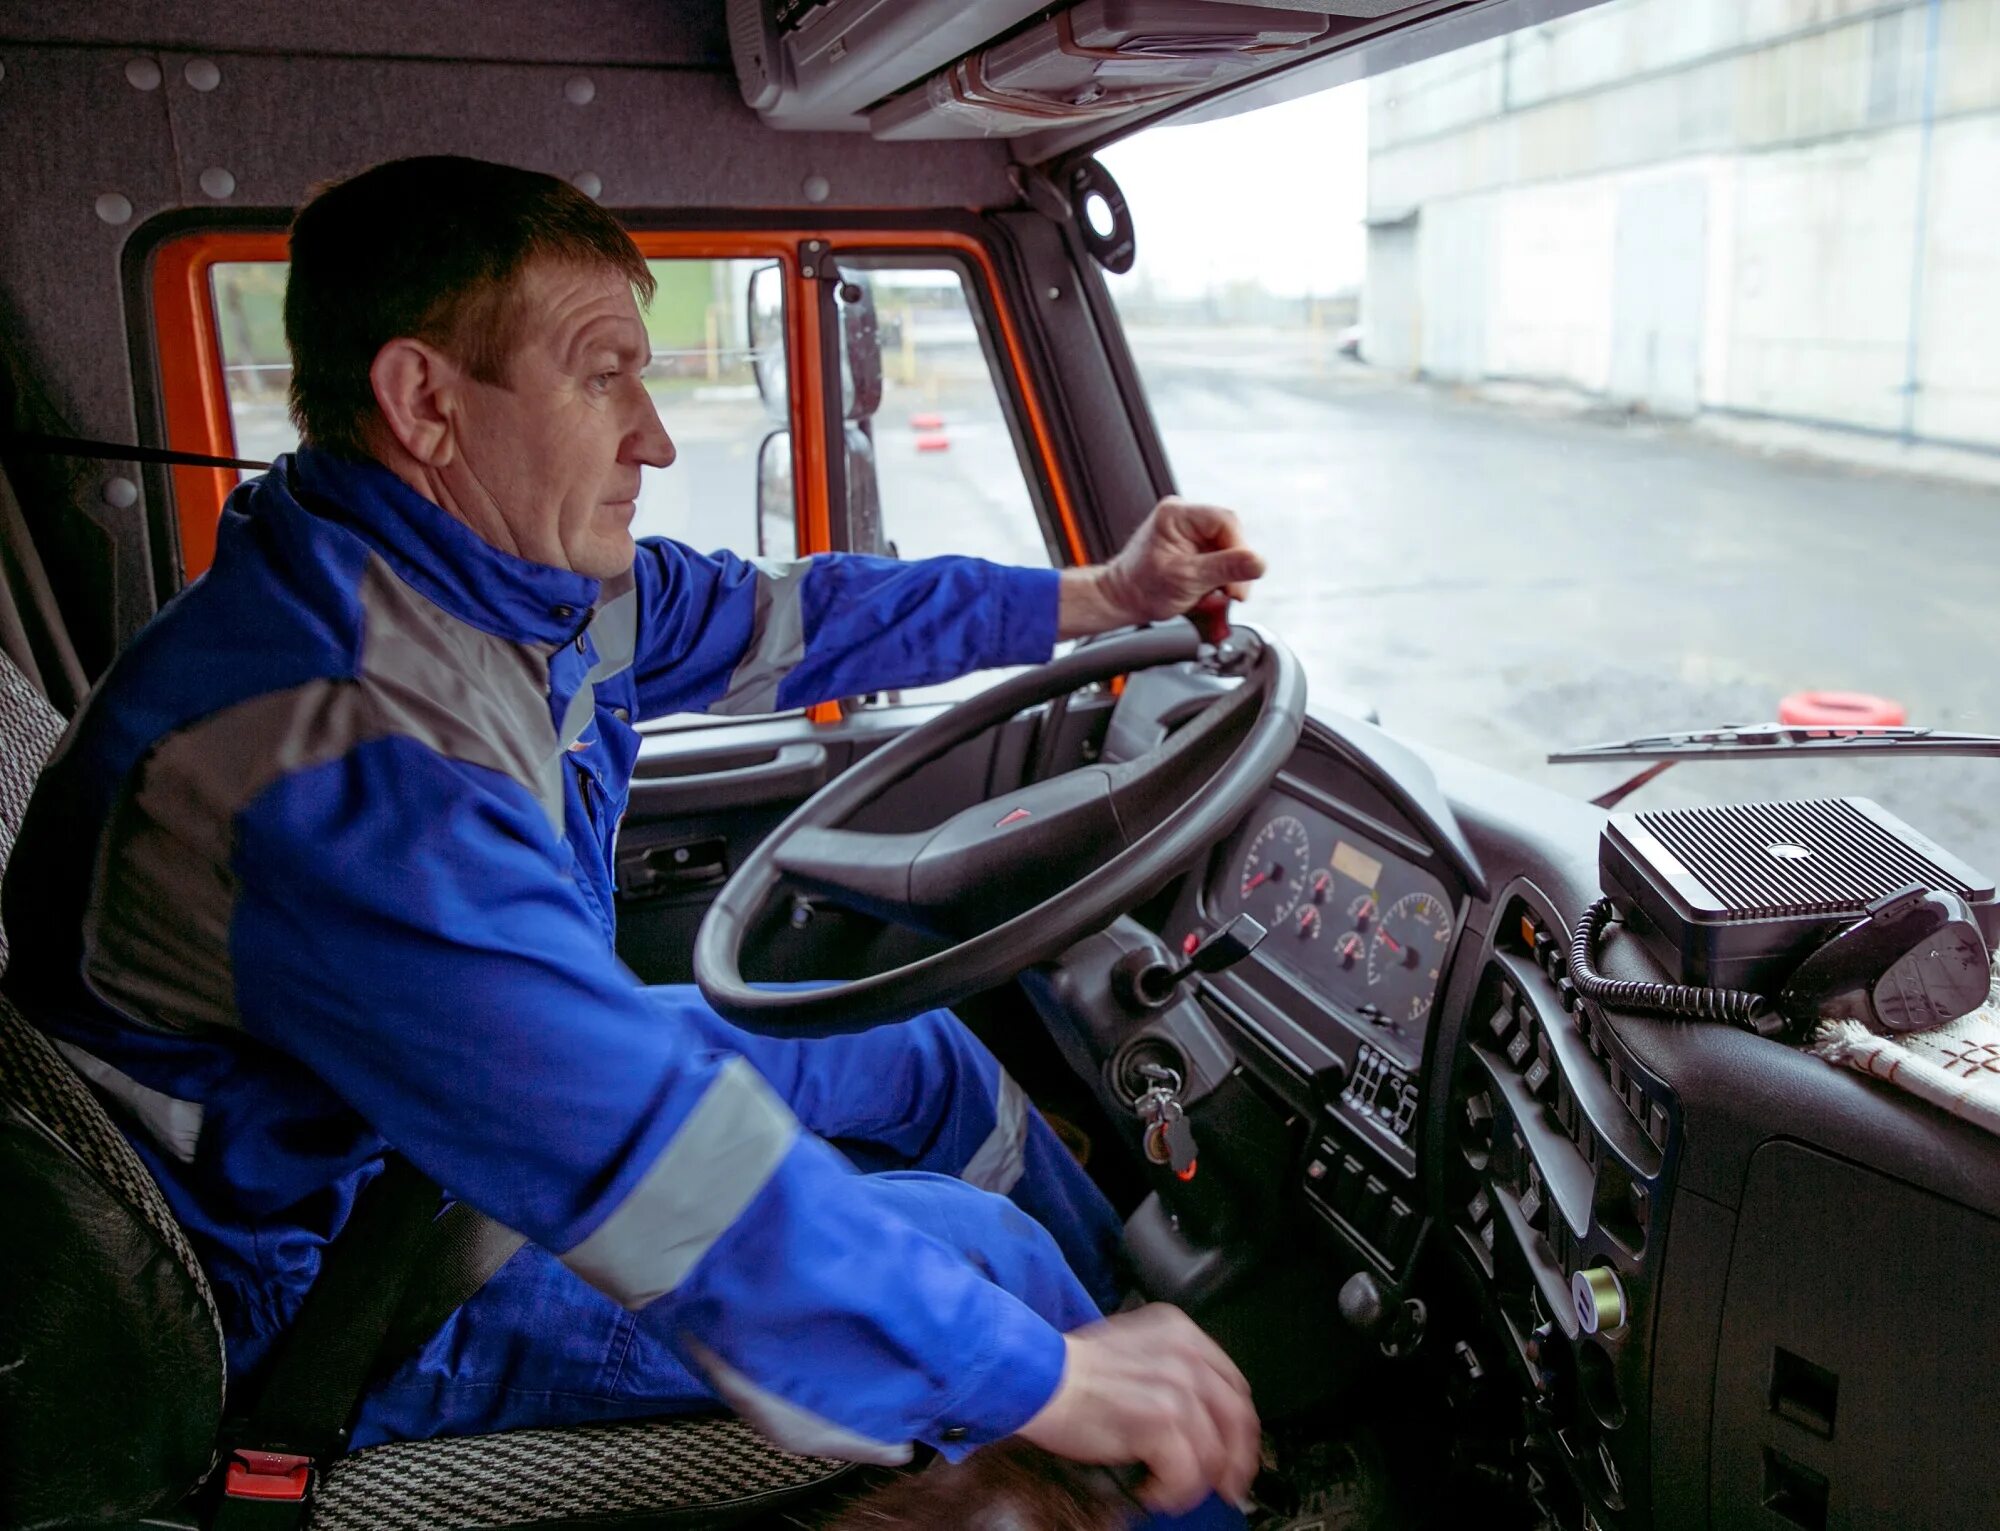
[112,1369]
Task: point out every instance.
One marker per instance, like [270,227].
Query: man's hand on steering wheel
[1180,553]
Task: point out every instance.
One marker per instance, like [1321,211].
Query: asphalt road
[1498,583]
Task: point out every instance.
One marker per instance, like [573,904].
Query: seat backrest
[111,1359]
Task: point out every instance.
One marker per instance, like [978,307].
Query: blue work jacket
[324,868]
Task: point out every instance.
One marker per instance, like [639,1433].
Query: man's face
[553,453]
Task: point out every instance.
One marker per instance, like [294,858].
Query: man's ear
[414,386]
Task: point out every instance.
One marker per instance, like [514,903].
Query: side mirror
[777,515]
[764,309]
[861,350]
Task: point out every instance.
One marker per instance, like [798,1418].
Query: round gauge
[1362,909]
[1274,869]
[1306,922]
[1407,953]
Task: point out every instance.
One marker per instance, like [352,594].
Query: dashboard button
[1656,1124]
[1537,1076]
[1316,1170]
[1520,1047]
[1347,1189]
[1399,1231]
[1369,1214]
[1502,1021]
[1480,1208]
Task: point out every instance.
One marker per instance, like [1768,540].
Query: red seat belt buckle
[267,1475]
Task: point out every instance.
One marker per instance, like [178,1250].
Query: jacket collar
[435,553]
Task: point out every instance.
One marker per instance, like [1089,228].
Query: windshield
[1631,372]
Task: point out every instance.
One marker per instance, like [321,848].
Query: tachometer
[1407,953]
[1274,869]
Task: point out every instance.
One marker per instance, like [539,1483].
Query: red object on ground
[1821,709]
[938,443]
[927,422]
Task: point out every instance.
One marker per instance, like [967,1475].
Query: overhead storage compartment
[1099,58]
[996,68]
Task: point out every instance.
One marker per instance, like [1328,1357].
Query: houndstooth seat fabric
[642,1470]
[29,728]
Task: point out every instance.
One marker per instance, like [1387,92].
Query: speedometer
[1407,952]
[1274,869]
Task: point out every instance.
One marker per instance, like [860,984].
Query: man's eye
[602,382]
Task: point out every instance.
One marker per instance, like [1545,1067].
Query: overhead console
[929,69]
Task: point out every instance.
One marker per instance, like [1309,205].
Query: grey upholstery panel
[603,31]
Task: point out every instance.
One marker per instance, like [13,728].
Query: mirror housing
[764,311]
[777,506]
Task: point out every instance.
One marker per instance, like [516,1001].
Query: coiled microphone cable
[1736,1007]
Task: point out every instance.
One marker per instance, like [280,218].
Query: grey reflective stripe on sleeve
[156,929]
[728,1148]
[173,1124]
[798,1430]
[458,690]
[777,640]
[1001,1159]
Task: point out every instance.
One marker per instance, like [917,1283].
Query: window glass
[1629,373]
[935,457]
[701,375]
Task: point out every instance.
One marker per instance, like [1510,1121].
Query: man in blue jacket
[324,871]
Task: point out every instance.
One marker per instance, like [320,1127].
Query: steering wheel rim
[1054,923]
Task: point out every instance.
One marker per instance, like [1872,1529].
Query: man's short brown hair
[428,249]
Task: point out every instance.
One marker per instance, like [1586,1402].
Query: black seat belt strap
[395,1272]
[111,451]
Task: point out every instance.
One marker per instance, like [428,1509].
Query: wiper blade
[1754,741]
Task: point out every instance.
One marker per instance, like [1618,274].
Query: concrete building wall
[1773,207]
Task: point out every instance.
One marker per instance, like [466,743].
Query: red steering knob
[1211,617]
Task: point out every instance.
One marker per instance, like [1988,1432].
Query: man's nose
[650,444]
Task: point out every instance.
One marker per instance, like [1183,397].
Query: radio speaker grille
[1819,857]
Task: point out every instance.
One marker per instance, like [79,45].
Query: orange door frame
[196,401]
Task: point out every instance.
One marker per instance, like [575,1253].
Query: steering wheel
[1021,877]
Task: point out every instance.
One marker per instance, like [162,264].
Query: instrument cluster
[1366,930]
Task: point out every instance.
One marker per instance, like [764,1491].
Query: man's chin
[607,556]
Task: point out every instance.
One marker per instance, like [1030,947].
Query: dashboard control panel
[1382,1088]
[1556,1185]
[1354,920]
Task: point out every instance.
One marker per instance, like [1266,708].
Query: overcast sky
[1277,195]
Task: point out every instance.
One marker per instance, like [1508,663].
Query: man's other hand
[1149,1387]
[1180,553]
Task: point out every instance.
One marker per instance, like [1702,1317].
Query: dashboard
[1403,1080]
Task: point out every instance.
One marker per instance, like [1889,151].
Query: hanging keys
[1167,1139]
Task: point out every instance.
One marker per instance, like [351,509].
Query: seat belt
[396,1272]
[112,451]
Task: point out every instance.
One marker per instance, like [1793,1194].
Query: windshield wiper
[1763,741]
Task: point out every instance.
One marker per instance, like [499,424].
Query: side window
[716,377]
[935,452]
